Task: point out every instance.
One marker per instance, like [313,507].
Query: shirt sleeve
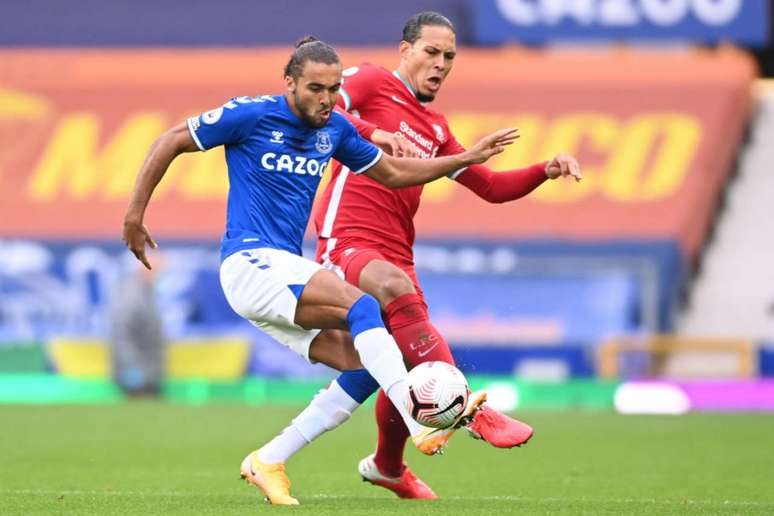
[229,124]
[358,85]
[354,152]
[505,185]
[494,187]
[365,128]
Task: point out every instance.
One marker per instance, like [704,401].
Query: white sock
[380,355]
[329,408]
[282,447]
[398,394]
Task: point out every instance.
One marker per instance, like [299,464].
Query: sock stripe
[364,315]
[358,383]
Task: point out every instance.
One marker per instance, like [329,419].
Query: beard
[311,122]
[425,97]
[306,118]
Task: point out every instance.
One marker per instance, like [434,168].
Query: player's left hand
[394,143]
[490,145]
[136,235]
[563,165]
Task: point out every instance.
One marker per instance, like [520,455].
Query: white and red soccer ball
[437,394]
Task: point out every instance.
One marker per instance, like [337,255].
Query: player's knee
[392,286]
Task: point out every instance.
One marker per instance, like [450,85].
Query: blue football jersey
[275,163]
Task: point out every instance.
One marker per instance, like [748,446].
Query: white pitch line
[325,496]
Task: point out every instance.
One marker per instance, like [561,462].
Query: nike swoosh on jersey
[399,101]
[426,351]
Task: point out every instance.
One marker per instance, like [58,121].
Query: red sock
[392,437]
[411,328]
[419,342]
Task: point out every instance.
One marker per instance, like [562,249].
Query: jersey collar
[409,88]
[405,83]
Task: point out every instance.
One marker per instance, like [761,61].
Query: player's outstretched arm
[166,148]
[509,185]
[400,172]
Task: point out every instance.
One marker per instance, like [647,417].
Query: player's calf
[330,408]
[380,355]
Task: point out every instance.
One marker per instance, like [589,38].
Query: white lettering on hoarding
[618,13]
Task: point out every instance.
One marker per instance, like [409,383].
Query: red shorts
[349,256]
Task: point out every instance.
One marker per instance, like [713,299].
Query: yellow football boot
[270,478]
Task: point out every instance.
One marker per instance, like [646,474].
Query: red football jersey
[356,206]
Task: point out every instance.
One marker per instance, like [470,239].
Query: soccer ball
[437,394]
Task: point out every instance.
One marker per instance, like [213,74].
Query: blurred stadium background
[646,288]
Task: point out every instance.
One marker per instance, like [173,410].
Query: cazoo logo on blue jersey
[293,164]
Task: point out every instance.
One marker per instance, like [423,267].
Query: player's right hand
[490,145]
[394,143]
[136,235]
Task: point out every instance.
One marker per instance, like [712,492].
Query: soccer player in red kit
[366,233]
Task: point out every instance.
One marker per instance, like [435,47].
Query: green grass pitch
[154,458]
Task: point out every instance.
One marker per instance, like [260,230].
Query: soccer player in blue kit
[277,148]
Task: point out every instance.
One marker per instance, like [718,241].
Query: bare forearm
[402,172]
[153,169]
[160,156]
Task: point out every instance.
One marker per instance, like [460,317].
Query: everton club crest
[323,144]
